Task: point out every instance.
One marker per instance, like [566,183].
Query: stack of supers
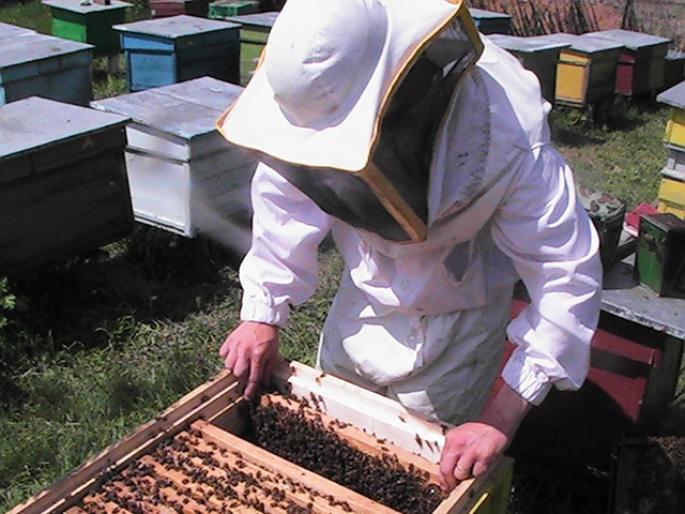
[672,188]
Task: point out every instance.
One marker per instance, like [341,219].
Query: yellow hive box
[672,197]
[675,128]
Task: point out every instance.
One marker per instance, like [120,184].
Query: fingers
[464,466]
[448,461]
[255,376]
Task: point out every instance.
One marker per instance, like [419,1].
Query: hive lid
[675,55]
[629,39]
[187,109]
[35,122]
[175,27]
[35,47]
[526,44]
[263,20]
[76,6]
[674,97]
[8,30]
[481,14]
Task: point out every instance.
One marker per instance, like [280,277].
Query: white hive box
[185,177]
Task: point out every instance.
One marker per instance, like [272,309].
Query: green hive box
[660,259]
[223,8]
[90,23]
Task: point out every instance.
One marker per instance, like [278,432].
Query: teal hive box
[33,64]
[63,186]
[489,22]
[224,8]
[164,51]
[88,23]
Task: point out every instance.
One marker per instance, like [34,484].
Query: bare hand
[251,350]
[473,447]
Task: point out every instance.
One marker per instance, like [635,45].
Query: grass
[98,344]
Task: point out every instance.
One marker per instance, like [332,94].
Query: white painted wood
[378,415]
[185,177]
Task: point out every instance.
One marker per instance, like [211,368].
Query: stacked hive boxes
[586,69]
[88,23]
[537,55]
[166,8]
[672,189]
[184,176]
[63,186]
[169,50]
[641,65]
[35,64]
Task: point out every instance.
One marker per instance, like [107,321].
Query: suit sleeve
[281,268]
[547,234]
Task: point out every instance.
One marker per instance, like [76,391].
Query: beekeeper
[425,151]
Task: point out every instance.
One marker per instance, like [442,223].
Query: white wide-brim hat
[327,73]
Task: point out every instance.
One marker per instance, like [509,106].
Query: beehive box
[660,255]
[254,31]
[674,68]
[167,8]
[222,9]
[168,50]
[675,163]
[90,23]
[672,197]
[641,65]
[34,64]
[489,22]
[675,128]
[196,457]
[586,72]
[185,177]
[537,55]
[8,30]
[63,186]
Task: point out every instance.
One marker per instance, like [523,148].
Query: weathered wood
[206,400]
[261,457]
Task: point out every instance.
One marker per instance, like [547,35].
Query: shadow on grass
[99,299]
[591,127]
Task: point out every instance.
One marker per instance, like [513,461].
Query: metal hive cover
[630,39]
[483,14]
[35,123]
[175,26]
[75,6]
[34,47]
[525,44]
[674,97]
[187,109]
[265,20]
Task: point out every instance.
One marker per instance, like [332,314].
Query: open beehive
[197,458]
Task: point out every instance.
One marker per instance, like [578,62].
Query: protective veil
[398,64]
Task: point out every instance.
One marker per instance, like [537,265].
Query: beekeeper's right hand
[251,351]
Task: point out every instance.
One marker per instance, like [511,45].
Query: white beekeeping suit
[424,321]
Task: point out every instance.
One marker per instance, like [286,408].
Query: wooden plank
[378,415]
[469,492]
[357,502]
[206,400]
[357,438]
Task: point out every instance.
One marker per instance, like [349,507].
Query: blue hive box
[165,51]
[32,64]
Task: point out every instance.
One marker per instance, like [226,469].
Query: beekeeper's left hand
[472,447]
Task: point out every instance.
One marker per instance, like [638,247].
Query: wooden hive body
[675,128]
[674,68]
[164,51]
[537,55]
[88,23]
[587,69]
[196,471]
[167,8]
[185,177]
[641,64]
[63,185]
[489,22]
[32,64]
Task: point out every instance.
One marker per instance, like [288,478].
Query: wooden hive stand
[192,459]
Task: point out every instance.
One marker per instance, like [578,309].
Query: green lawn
[97,345]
